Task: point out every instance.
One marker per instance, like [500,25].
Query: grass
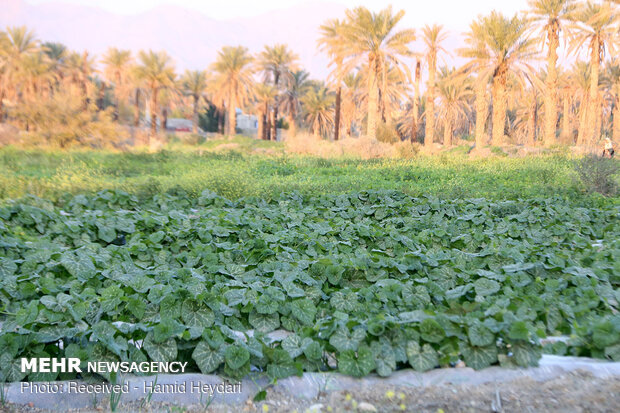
[248,167]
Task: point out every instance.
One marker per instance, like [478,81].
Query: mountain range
[190,37]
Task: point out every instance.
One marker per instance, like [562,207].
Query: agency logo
[73,365]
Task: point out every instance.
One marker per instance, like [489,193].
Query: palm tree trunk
[416,96]
[136,112]
[276,81]
[84,88]
[583,113]
[273,135]
[232,116]
[154,92]
[101,96]
[616,120]
[429,133]
[531,122]
[566,129]
[292,128]
[481,112]
[593,101]
[2,93]
[337,115]
[551,99]
[195,114]
[373,96]
[260,131]
[499,107]
[598,120]
[221,121]
[164,120]
[117,98]
[447,131]
[268,128]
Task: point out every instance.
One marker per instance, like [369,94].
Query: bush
[406,149]
[387,133]
[598,174]
[62,121]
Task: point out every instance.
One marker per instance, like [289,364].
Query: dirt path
[578,391]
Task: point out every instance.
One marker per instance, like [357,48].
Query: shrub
[62,121]
[407,150]
[387,133]
[598,174]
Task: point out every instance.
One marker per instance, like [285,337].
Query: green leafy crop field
[367,281]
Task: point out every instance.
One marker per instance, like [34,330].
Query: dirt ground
[573,392]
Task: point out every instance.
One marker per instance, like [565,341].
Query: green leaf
[479,357]
[519,331]
[304,311]
[162,352]
[484,286]
[480,336]
[196,315]
[526,355]
[79,266]
[605,334]
[207,359]
[265,323]
[356,364]
[236,356]
[431,331]
[281,365]
[165,329]
[385,359]
[613,352]
[343,339]
[313,350]
[293,345]
[421,358]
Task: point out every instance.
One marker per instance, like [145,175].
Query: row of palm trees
[499,95]
[499,78]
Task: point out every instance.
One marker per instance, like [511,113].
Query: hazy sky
[448,12]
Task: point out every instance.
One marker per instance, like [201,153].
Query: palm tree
[415,118]
[594,25]
[550,15]
[37,76]
[117,64]
[57,54]
[612,83]
[580,89]
[351,101]
[317,104]
[433,37]
[371,39]
[19,42]
[234,80]
[277,64]
[194,84]
[454,90]
[567,104]
[291,99]
[80,67]
[155,71]
[332,42]
[497,46]
[263,98]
